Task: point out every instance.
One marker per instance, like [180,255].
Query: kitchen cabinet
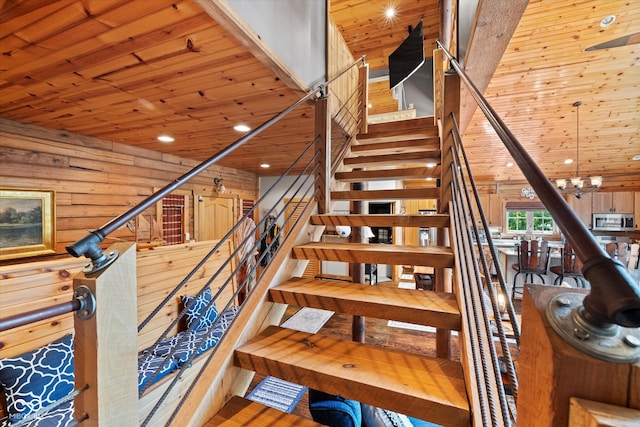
[484,201]
[618,202]
[582,207]
[496,211]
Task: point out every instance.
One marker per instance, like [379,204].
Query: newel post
[106,344]
[551,371]
[323,148]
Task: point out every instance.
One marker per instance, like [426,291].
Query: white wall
[294,29]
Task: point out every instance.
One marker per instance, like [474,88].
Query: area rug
[277,393]
[308,320]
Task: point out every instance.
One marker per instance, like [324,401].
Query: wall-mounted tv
[407,58]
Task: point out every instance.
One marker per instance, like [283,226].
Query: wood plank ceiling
[127,71]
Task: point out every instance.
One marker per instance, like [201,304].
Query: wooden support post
[357,269]
[451,105]
[551,371]
[363,82]
[443,283]
[323,146]
[106,345]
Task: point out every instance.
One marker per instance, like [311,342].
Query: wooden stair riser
[418,386]
[401,194]
[420,172]
[437,309]
[428,256]
[396,125]
[382,220]
[394,159]
[404,146]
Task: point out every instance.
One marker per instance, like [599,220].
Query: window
[520,221]
[524,215]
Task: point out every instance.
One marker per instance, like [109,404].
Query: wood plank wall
[338,59]
[96,180]
[29,286]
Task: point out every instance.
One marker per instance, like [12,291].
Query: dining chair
[533,260]
[570,266]
[618,251]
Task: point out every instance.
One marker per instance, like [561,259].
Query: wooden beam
[493,27]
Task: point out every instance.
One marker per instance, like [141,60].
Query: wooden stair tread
[437,309]
[398,194]
[389,174]
[428,256]
[394,159]
[419,386]
[421,127]
[241,412]
[403,146]
[382,220]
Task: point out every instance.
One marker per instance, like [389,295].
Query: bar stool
[618,251]
[570,266]
[533,259]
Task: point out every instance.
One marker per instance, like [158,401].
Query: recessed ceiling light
[166,138]
[607,20]
[265,165]
[568,161]
[509,165]
[431,165]
[636,157]
[241,128]
[390,12]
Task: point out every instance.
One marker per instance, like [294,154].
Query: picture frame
[27,223]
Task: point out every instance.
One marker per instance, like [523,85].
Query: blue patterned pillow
[198,306]
[38,378]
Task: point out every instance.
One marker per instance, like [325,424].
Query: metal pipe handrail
[33,316]
[88,245]
[613,298]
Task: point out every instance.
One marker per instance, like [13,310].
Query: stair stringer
[221,379]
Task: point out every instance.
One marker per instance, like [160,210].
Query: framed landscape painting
[27,223]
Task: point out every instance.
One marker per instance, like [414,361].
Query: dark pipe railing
[83,302]
[88,245]
[614,298]
[33,316]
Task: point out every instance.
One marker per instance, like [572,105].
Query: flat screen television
[407,58]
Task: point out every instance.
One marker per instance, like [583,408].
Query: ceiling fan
[620,41]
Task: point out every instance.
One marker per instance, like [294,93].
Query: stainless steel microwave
[612,222]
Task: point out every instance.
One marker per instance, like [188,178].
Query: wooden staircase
[427,388]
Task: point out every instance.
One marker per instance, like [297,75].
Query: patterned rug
[277,393]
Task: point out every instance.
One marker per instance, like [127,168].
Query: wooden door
[215,217]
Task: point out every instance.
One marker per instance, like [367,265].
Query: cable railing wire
[224,265]
[460,153]
[487,345]
[613,298]
[88,245]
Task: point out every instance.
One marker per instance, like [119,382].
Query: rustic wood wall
[96,180]
[341,89]
[30,286]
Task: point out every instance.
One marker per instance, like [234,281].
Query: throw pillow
[38,378]
[196,305]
